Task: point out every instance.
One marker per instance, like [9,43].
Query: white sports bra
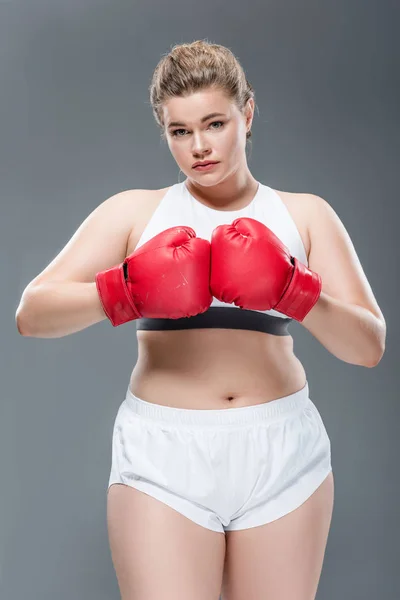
[179,207]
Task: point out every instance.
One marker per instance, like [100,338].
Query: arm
[63,298]
[346,319]
[54,309]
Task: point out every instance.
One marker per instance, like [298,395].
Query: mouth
[205,166]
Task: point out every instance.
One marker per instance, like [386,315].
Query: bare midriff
[214,368]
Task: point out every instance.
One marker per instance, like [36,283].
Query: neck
[232,192]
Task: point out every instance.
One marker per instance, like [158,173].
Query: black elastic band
[221,317]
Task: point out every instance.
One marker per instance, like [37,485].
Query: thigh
[282,559]
[158,552]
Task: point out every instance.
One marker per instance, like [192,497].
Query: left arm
[346,319]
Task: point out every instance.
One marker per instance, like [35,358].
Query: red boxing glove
[167,277]
[253,269]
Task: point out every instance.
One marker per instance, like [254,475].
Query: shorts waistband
[272,410]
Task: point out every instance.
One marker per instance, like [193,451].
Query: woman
[221,476]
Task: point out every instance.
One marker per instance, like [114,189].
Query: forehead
[193,108]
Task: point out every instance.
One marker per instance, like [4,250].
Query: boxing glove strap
[302,293]
[114,296]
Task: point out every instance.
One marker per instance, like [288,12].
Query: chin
[211,179]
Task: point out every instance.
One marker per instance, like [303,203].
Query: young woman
[221,476]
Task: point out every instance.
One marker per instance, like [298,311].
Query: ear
[249,113]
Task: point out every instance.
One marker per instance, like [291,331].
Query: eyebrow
[210,116]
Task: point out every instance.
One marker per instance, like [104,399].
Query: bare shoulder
[144,197]
[137,206]
[124,210]
[334,257]
[301,207]
[309,212]
[102,239]
[134,199]
[143,205]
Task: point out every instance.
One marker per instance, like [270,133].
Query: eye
[213,123]
[175,132]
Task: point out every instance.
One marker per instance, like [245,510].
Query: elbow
[21,324]
[371,364]
[378,347]
[21,315]
[374,360]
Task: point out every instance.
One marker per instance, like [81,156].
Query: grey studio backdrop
[76,128]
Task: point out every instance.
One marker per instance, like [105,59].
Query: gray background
[76,128]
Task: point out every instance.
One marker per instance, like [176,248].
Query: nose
[200,146]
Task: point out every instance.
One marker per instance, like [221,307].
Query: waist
[281,407]
[209,371]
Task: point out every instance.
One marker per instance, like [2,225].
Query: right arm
[63,298]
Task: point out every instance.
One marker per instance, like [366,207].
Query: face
[192,137]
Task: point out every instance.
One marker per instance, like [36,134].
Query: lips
[203,164]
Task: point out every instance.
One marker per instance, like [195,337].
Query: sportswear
[179,207]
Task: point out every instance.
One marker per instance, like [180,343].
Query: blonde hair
[196,66]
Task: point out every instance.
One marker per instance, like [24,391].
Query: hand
[167,277]
[253,269]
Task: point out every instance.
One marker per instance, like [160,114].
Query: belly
[214,368]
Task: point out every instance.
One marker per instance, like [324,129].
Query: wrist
[302,292]
[114,296]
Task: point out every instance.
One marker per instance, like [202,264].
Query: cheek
[176,150]
[182,155]
[233,143]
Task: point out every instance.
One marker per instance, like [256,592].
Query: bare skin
[231,368]
[159,553]
[156,551]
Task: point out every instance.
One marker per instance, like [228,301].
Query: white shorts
[225,469]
